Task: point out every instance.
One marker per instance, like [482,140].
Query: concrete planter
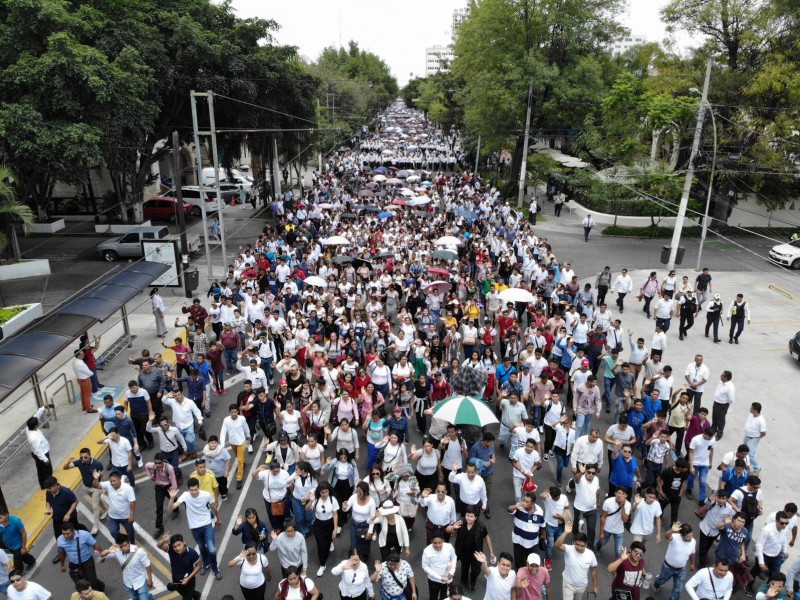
[17,322]
[25,268]
[608,219]
[50,227]
[119,228]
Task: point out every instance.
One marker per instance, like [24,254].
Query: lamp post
[687,186]
[523,167]
[710,181]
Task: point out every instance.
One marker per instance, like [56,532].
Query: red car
[162,208]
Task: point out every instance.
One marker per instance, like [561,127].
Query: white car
[787,255]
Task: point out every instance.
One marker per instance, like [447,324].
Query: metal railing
[67,384]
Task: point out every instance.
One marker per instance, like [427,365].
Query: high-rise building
[437,59]
[459,16]
[623,44]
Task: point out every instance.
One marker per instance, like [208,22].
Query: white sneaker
[332,547]
[94,531]
[140,462]
[338,531]
[249,448]
[321,571]
[103,515]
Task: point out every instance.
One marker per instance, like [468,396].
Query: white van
[237,178]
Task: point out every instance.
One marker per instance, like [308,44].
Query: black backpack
[750,505]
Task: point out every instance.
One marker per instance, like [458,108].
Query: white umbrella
[336,240]
[464,410]
[419,201]
[448,240]
[412,178]
[406,192]
[315,281]
[516,295]
[379,178]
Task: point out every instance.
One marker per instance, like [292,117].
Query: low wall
[625,221]
[119,228]
[25,268]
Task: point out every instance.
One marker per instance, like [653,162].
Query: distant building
[625,43]
[437,59]
[459,16]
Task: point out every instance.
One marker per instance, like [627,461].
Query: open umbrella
[412,178]
[383,255]
[336,240]
[516,295]
[394,181]
[380,170]
[325,206]
[419,201]
[315,281]
[406,192]
[438,271]
[427,183]
[371,185]
[398,202]
[445,254]
[366,193]
[361,207]
[468,214]
[359,262]
[349,216]
[448,240]
[373,209]
[379,178]
[404,173]
[464,410]
[384,215]
[438,287]
[342,259]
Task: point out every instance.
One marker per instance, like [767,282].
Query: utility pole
[179,215]
[523,167]
[687,186]
[710,189]
[215,161]
[478,154]
[199,161]
[276,175]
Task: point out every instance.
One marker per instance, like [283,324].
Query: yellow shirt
[501,287]
[450,321]
[473,312]
[208,482]
[96,596]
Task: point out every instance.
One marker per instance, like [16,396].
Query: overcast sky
[397,31]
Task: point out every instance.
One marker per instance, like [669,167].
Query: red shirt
[505,324]
[629,577]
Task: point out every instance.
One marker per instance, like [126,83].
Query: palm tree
[11,210]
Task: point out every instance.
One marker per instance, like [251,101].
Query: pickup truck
[130,244]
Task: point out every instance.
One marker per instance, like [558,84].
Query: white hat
[389,508]
[533,559]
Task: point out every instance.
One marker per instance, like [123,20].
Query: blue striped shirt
[526,526]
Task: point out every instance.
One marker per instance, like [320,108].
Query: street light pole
[523,167]
[478,154]
[687,186]
[710,189]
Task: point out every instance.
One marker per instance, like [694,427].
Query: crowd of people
[350,327]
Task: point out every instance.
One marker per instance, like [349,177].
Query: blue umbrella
[380,170]
[384,215]
[426,183]
[468,214]
[361,207]
[373,209]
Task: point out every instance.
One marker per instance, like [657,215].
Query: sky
[396,31]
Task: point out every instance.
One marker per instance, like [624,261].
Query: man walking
[76,547]
[724,396]
[623,284]
[680,554]
[137,576]
[159,309]
[714,316]
[162,474]
[738,312]
[15,540]
[588,223]
[40,447]
[199,505]
[237,434]
[121,502]
[88,465]
[755,428]
[579,563]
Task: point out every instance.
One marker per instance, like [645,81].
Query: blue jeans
[561,462]
[174,459]
[383,388]
[204,536]
[266,364]
[752,443]
[114,525]
[188,436]
[677,575]
[230,359]
[143,593]
[617,542]
[552,535]
[701,472]
[583,425]
[357,542]
[302,518]
[607,383]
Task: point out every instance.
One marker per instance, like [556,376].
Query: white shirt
[644,517]
[525,462]
[725,393]
[772,542]
[119,501]
[184,414]
[134,575]
[441,513]
[38,443]
[695,374]
[699,586]
[81,370]
[659,341]
[577,565]
[353,582]
[623,284]
[197,508]
[702,450]
[256,376]
[586,493]
[471,491]
[251,575]
[32,591]
[754,426]
[554,507]
[120,450]
[664,308]
[497,587]
[274,485]
[678,551]
[614,522]
[439,564]
[235,431]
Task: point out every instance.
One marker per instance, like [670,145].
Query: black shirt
[182,564]
[61,502]
[671,481]
[86,470]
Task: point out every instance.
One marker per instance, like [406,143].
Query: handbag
[407,591]
[201,433]
[362,529]
[278,508]
[701,511]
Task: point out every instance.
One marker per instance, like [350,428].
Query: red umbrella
[438,287]
[399,202]
[438,271]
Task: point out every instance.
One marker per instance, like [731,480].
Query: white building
[459,16]
[437,59]
[625,43]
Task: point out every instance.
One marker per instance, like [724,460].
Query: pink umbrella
[438,271]
[399,202]
[438,287]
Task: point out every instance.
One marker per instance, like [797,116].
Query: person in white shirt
[441,511]
[588,500]
[696,376]
[724,396]
[500,579]
[713,583]
[525,462]
[701,457]
[40,447]
[471,487]
[199,506]
[680,554]
[121,503]
[755,428]
[439,563]
[659,343]
[579,564]
[646,516]
[772,547]
[665,310]
[622,285]
[355,583]
[251,565]
[83,375]
[555,506]
[616,512]
[184,415]
[237,435]
[20,589]
[137,575]
[253,373]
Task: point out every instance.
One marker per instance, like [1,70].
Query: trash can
[191,281]
[665,251]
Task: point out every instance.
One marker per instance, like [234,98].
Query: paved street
[760,359]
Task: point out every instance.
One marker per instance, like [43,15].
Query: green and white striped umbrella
[464,410]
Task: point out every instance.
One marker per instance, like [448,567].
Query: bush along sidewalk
[651,231]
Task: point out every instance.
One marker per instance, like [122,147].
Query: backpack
[749,505]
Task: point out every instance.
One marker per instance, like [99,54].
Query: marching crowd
[350,329]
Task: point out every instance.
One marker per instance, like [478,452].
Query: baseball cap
[585,362]
[398,409]
[283,436]
[283,382]
[533,559]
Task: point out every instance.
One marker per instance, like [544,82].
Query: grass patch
[6,314]
[650,232]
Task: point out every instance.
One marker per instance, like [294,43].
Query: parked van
[237,178]
[130,244]
[192,195]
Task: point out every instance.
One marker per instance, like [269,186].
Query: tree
[11,211]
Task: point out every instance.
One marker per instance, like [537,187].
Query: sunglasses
[15,580]
[639,554]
